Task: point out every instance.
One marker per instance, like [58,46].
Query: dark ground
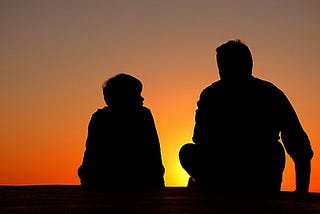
[72,199]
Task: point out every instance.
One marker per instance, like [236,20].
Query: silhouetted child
[239,122]
[122,147]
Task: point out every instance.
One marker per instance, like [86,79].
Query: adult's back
[239,122]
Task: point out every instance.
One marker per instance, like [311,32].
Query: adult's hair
[120,88]
[234,60]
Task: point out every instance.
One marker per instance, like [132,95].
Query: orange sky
[54,56]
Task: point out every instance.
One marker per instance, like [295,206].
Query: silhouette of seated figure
[238,124]
[122,146]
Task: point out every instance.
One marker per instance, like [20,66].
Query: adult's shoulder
[215,85]
[100,112]
[211,88]
[263,82]
[266,85]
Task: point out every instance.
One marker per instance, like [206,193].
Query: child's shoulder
[143,108]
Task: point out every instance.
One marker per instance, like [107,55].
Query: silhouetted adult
[239,122]
[122,147]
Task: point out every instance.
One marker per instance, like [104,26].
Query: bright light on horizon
[56,54]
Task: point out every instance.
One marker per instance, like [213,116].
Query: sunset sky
[55,55]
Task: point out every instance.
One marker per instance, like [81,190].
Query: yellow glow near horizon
[56,54]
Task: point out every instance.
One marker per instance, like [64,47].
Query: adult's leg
[190,161]
[203,168]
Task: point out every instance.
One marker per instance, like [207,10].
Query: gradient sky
[54,56]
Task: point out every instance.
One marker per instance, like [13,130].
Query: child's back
[122,147]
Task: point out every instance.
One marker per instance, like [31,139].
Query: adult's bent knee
[186,152]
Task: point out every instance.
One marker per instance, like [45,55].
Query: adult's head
[123,91]
[234,60]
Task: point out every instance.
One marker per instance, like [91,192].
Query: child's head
[123,91]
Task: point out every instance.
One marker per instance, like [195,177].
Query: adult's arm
[296,143]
